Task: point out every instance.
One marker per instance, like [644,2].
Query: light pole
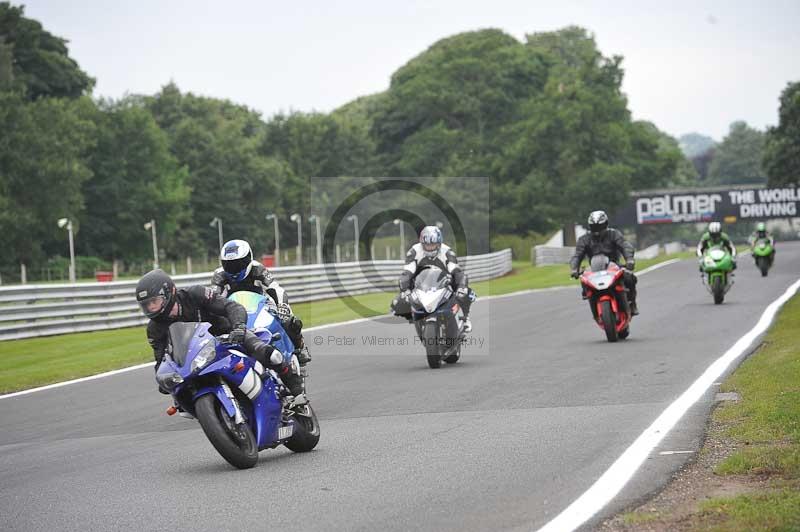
[314,218]
[218,222]
[68,223]
[277,239]
[151,225]
[299,219]
[398,221]
[354,217]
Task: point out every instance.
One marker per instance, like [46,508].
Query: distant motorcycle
[763,255]
[433,308]
[717,267]
[603,286]
[239,404]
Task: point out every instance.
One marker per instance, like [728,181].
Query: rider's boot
[467,324]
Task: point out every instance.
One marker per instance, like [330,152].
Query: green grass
[766,424]
[779,510]
[39,361]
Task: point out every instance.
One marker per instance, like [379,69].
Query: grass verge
[39,361]
[755,485]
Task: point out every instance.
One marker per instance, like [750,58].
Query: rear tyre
[306,433]
[431,338]
[452,359]
[718,290]
[235,443]
[624,333]
[609,321]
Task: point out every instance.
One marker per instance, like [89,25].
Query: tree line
[544,119]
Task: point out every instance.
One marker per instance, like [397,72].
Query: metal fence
[42,310]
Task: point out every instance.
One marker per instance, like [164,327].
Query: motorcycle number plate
[285,432]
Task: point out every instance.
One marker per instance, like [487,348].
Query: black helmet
[236,258]
[155,293]
[598,223]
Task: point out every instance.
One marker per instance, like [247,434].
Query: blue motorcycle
[241,406]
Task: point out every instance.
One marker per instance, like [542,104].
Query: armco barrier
[546,255]
[42,310]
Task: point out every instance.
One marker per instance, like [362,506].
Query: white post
[277,251]
[115,269]
[338,253]
[354,218]
[299,220]
[23,273]
[189,264]
[314,218]
[218,222]
[388,253]
[151,225]
[399,222]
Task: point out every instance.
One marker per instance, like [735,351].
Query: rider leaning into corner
[603,240]
[239,272]
[430,251]
[164,304]
[715,237]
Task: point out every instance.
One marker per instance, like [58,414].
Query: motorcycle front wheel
[718,289]
[430,336]
[609,321]
[236,443]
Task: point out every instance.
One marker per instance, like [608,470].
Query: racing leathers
[261,281]
[200,303]
[445,260]
[614,246]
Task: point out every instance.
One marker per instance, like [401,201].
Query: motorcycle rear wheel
[235,443]
[430,336]
[609,321]
[306,433]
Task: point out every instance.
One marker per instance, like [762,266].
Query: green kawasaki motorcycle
[763,255]
[717,266]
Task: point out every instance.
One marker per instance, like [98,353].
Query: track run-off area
[541,424]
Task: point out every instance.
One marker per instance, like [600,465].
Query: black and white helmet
[715,229]
[598,223]
[236,258]
[155,293]
[431,239]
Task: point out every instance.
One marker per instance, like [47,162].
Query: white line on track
[309,329]
[622,470]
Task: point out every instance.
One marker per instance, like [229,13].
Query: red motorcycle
[603,287]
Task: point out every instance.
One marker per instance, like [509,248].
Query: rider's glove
[237,335]
[575,274]
[405,294]
[462,293]
[284,311]
[630,265]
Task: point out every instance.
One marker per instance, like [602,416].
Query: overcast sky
[689,65]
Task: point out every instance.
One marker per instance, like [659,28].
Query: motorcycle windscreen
[430,279]
[180,336]
[254,304]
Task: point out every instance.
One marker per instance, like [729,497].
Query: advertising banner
[725,204]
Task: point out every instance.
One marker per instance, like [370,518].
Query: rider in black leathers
[164,304]
[602,240]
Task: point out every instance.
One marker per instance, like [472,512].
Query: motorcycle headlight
[207,354]
[709,261]
[168,381]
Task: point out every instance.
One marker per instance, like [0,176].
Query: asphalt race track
[505,439]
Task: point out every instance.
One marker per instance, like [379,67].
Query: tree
[41,65]
[135,179]
[737,159]
[219,144]
[782,150]
[43,150]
